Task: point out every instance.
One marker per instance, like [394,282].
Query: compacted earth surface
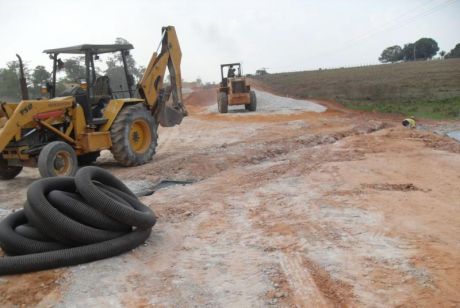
[297,204]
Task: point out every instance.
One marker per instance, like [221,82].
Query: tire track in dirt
[301,282]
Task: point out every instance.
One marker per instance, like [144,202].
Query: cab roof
[94,49]
[230,64]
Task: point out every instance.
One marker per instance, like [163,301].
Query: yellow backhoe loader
[57,133]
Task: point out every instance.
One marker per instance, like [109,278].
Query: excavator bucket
[169,116]
[169,112]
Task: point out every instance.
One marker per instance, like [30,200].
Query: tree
[442,54]
[391,54]
[9,82]
[14,66]
[130,62]
[426,48]
[454,53]
[75,69]
[10,89]
[117,79]
[39,75]
[408,52]
[115,70]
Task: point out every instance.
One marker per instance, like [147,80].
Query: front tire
[134,136]
[57,158]
[222,103]
[8,172]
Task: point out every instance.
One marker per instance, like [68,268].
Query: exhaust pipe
[22,80]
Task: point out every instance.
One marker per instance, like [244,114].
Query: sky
[281,35]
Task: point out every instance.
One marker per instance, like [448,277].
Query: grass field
[428,89]
[448,108]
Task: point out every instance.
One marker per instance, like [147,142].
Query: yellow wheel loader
[60,131]
[234,90]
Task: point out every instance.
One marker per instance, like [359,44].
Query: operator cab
[93,92]
[230,70]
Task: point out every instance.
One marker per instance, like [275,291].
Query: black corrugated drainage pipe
[68,221]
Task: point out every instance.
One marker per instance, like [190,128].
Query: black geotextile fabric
[73,220]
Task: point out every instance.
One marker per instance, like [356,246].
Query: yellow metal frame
[16,116]
[169,57]
[83,139]
[22,116]
[94,141]
[236,98]
[239,99]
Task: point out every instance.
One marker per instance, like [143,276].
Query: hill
[423,88]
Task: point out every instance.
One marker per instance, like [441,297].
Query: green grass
[442,109]
[422,88]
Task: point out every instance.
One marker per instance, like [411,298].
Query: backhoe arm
[151,85]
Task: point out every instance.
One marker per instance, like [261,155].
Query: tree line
[74,70]
[423,49]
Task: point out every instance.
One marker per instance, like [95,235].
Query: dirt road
[323,209]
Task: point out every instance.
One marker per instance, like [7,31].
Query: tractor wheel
[57,159]
[222,102]
[88,158]
[8,172]
[134,136]
[252,106]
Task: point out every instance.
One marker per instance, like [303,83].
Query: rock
[280,294]
[273,301]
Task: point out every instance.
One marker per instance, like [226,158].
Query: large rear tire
[222,102]
[8,172]
[252,106]
[57,158]
[134,136]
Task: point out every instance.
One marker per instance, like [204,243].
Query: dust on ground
[295,208]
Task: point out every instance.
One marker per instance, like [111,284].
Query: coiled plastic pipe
[68,221]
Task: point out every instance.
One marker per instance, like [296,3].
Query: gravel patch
[273,104]
[455,135]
